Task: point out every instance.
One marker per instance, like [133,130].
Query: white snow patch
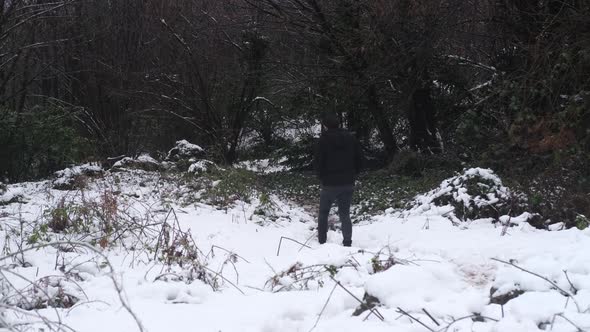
[201,166]
[264,165]
[11,194]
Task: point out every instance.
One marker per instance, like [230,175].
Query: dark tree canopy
[475,81]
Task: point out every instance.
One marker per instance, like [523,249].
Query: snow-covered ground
[264,165]
[417,265]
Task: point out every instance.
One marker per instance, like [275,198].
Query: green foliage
[582,222]
[332,269]
[380,190]
[408,163]
[302,188]
[299,154]
[39,234]
[37,143]
[226,186]
[415,164]
[59,219]
[484,198]
[266,207]
[474,131]
[376,264]
[375,191]
[559,191]
[536,199]
[264,199]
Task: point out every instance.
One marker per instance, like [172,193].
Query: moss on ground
[375,192]
[380,190]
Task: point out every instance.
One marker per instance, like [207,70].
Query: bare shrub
[46,292]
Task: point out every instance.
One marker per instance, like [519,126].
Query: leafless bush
[59,291]
[106,221]
[300,277]
[384,259]
[177,248]
[183,259]
[21,305]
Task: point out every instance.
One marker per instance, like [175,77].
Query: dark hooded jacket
[338,158]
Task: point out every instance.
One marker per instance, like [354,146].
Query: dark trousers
[343,196]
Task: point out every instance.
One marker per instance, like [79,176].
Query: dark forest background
[423,84]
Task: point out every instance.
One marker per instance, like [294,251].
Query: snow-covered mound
[184,155]
[143,162]
[184,150]
[202,166]
[10,195]
[71,177]
[477,193]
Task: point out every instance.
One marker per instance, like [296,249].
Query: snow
[10,195]
[128,161]
[296,130]
[460,194]
[445,295]
[67,176]
[76,170]
[146,158]
[184,145]
[184,149]
[490,192]
[201,166]
[264,165]
[440,269]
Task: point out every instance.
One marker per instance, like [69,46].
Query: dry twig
[563,291]
[116,284]
[290,239]
[405,313]
[373,310]
[324,308]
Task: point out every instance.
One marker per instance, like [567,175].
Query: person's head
[330,120]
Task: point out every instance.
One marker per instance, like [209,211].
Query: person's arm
[317,158]
[358,157]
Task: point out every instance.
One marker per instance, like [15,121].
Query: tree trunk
[381,121]
[356,124]
[421,115]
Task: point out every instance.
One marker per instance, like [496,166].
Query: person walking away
[337,161]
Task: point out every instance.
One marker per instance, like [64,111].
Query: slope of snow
[428,266]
